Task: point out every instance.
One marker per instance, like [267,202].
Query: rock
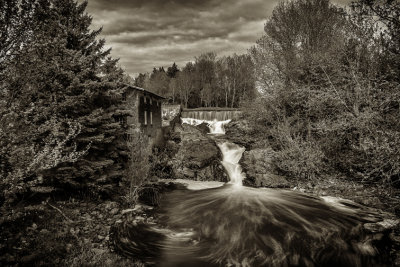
[198,157]
[114,211]
[28,259]
[68,247]
[381,226]
[44,231]
[110,205]
[139,219]
[203,128]
[99,251]
[257,165]
[128,211]
[237,131]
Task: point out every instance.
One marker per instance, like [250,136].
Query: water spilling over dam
[211,114]
[235,225]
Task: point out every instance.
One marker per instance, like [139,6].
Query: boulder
[238,132]
[257,165]
[198,157]
[203,128]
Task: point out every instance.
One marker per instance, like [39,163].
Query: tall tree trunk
[226,98]
[233,93]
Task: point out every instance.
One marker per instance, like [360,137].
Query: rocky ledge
[197,157]
[257,166]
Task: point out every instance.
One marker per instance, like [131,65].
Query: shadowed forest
[319,94]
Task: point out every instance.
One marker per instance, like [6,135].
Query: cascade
[231,152]
[215,126]
[224,226]
[210,115]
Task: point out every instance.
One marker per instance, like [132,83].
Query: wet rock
[257,165]
[198,157]
[203,128]
[381,226]
[238,132]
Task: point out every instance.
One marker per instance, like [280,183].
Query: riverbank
[77,232]
[63,232]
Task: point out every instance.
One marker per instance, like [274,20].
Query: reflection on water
[240,226]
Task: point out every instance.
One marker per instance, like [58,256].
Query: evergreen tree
[63,88]
[172,71]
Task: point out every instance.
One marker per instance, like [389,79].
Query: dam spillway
[211,114]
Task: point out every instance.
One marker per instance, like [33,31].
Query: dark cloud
[151,33]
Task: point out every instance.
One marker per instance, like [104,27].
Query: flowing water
[215,126]
[210,115]
[235,225]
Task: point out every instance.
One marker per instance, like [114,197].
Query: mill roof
[132,87]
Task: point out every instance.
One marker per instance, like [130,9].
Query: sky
[145,34]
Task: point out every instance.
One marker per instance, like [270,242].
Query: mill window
[151,118]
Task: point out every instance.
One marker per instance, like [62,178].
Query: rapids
[233,225]
[215,126]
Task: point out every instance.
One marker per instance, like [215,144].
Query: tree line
[330,80]
[208,81]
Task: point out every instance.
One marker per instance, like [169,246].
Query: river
[234,225]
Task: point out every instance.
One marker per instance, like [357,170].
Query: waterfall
[232,153]
[215,126]
[211,115]
[224,226]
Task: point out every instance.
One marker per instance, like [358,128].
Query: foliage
[329,96]
[209,81]
[138,166]
[59,91]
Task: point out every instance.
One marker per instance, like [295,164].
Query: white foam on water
[232,153]
[215,126]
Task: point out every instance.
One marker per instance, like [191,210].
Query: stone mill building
[143,108]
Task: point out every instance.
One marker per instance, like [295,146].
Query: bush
[138,166]
[297,157]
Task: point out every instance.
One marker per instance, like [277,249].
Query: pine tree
[172,71]
[64,75]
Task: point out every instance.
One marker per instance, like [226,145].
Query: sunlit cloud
[151,33]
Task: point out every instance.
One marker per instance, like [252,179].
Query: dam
[211,114]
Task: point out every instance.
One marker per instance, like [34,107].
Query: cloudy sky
[152,33]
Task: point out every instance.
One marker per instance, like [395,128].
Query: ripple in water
[240,226]
[234,225]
